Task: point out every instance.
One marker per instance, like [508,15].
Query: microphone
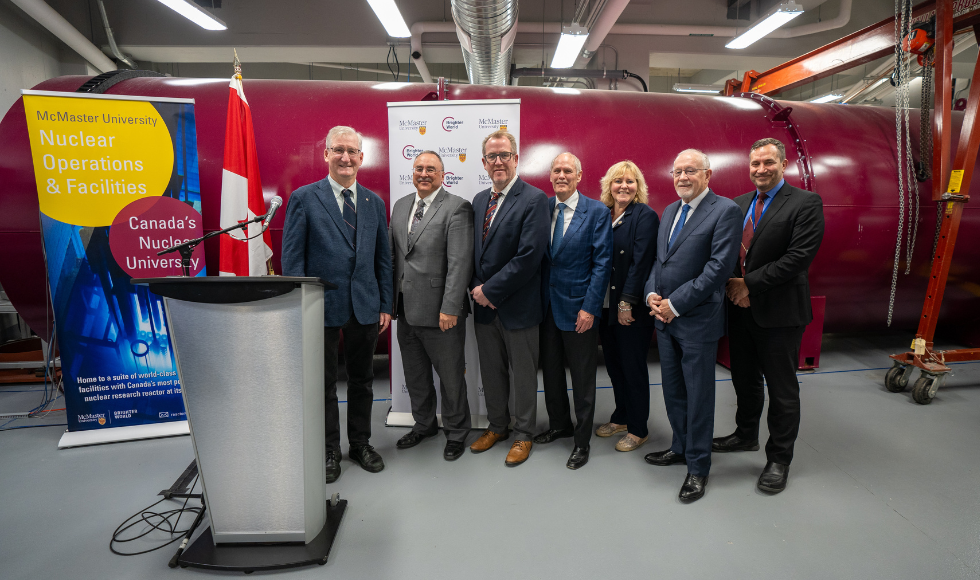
[273,206]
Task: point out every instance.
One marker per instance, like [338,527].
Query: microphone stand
[186,249]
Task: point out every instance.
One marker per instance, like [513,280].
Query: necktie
[559,230]
[680,224]
[350,218]
[489,216]
[418,216]
[749,230]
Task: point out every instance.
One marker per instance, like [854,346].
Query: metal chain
[939,227]
[899,98]
[925,140]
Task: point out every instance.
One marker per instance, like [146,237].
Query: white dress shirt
[425,206]
[694,203]
[338,192]
[570,204]
[500,199]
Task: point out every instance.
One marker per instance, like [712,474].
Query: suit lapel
[329,200]
[426,218]
[504,206]
[693,221]
[365,217]
[578,218]
[627,213]
[399,220]
[669,214]
[774,206]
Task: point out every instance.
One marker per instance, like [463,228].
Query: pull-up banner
[117,181]
[454,129]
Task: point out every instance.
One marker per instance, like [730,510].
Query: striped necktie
[489,216]
[748,231]
[350,218]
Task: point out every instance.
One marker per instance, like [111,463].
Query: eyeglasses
[426,170]
[688,172]
[504,156]
[339,151]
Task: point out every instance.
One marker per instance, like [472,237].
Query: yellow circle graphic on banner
[92,157]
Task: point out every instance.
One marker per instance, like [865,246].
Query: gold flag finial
[238,66]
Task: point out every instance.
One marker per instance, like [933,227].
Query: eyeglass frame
[348,151]
[495,156]
[688,171]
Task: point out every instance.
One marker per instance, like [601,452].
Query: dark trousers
[424,347]
[625,350]
[509,368]
[360,340]
[579,351]
[688,370]
[771,354]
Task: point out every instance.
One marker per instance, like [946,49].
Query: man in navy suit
[337,230]
[574,276]
[697,247]
[511,237]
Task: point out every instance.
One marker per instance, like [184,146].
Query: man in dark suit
[697,246]
[508,247]
[431,236]
[770,307]
[336,230]
[574,276]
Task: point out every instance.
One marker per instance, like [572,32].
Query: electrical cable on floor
[159,521]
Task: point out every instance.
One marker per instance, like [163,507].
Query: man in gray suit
[431,238]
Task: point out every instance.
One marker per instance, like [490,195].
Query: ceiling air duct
[486,30]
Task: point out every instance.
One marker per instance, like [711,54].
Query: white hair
[343,130]
[704,158]
[578,164]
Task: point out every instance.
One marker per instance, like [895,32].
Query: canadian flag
[241,193]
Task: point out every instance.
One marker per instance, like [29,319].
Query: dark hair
[442,166]
[770,141]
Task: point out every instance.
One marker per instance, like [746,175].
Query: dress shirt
[425,206]
[694,203]
[570,204]
[338,192]
[500,199]
[765,205]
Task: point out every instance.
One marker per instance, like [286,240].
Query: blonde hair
[620,170]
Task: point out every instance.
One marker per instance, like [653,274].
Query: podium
[249,354]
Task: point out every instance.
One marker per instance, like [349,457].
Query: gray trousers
[422,348]
[507,354]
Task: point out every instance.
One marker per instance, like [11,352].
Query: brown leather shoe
[487,440]
[519,453]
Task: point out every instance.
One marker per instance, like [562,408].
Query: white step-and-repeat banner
[455,129]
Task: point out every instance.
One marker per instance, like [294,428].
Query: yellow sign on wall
[92,157]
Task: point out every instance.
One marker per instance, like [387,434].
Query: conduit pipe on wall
[486,31]
[57,25]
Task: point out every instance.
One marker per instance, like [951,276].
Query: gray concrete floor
[880,488]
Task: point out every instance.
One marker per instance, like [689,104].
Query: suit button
[621,251]
[613,287]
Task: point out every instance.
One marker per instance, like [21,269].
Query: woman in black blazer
[627,327]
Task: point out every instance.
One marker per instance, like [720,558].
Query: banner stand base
[119,434]
[251,557]
[396,419]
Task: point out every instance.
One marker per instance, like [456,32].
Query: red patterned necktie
[749,230]
[489,216]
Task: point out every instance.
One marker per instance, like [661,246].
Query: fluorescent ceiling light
[714,89]
[785,12]
[827,98]
[195,14]
[569,46]
[390,18]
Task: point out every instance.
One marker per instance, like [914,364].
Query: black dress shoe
[578,458]
[664,458]
[693,488]
[733,443]
[413,438]
[773,478]
[333,465]
[365,456]
[453,450]
[552,435]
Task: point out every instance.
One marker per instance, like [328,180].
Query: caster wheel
[925,389]
[334,499]
[897,378]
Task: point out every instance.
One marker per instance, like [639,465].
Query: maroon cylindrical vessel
[847,154]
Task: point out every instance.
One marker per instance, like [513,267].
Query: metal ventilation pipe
[486,30]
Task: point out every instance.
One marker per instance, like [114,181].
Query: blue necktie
[350,217]
[680,224]
[559,230]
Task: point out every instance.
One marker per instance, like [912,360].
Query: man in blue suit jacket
[574,275]
[697,247]
[337,230]
[510,239]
